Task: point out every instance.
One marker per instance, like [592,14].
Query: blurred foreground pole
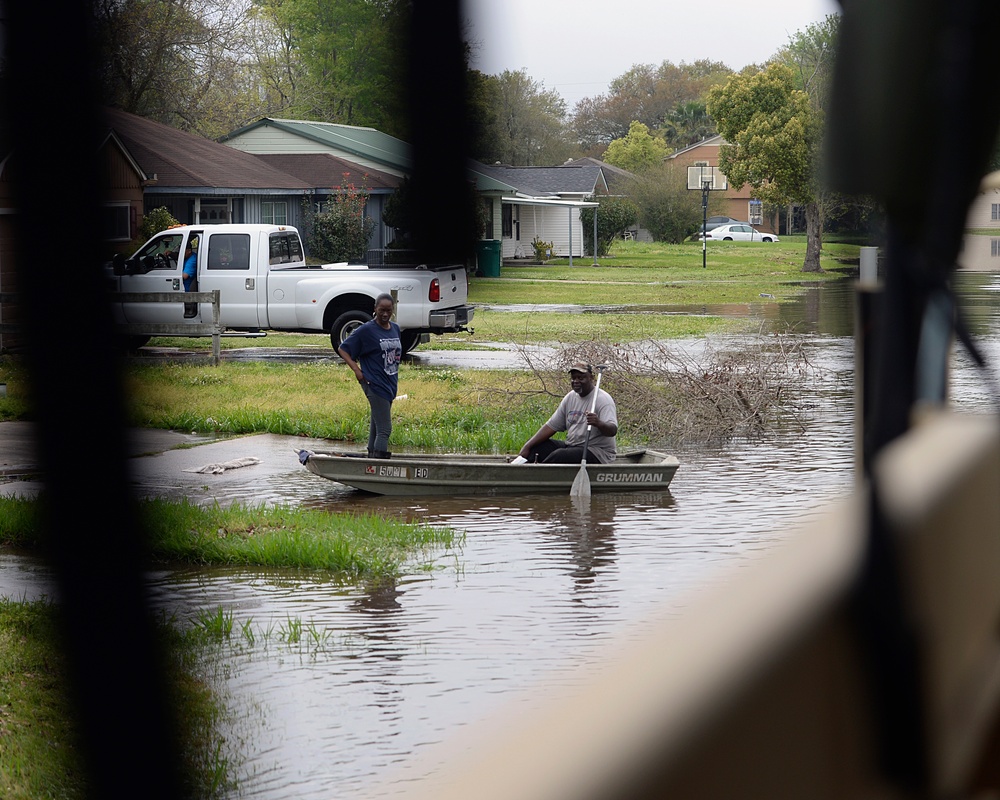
[444,215]
[897,59]
[52,111]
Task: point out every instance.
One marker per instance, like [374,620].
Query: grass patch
[725,261]
[38,749]
[655,278]
[359,546]
[39,739]
[450,409]
[356,545]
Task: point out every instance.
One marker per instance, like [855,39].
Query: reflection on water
[536,585]
[980,253]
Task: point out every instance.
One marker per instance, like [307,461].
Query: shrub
[614,216]
[159,219]
[544,250]
[668,209]
[341,231]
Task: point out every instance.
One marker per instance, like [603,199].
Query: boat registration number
[384,471]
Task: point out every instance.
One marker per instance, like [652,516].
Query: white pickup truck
[265,284]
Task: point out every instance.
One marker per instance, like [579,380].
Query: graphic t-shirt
[571,416]
[378,351]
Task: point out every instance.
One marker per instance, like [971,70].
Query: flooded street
[536,586]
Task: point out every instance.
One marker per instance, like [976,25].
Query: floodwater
[537,586]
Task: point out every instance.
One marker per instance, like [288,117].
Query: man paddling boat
[573,416]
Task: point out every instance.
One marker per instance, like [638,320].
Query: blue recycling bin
[488,257]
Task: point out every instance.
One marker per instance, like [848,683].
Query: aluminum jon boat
[458,474]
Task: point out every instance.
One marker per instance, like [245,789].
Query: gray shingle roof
[188,161]
[547,181]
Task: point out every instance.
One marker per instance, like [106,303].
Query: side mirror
[118,264]
[146,265]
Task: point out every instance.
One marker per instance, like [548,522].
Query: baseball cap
[581,366]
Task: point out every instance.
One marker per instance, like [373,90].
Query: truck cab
[231,258]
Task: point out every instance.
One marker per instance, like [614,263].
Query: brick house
[737,202]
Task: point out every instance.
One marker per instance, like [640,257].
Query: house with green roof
[523,202]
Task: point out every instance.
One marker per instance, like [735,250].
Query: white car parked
[738,232]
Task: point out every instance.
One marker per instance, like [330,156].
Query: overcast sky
[579,47]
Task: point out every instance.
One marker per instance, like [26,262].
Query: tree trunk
[814,238]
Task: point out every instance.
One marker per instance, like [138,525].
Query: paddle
[581,485]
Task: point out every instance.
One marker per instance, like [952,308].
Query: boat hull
[451,474]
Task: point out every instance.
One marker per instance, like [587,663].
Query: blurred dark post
[443,212]
[51,108]
[897,59]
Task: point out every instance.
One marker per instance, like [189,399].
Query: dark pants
[556,451]
[380,426]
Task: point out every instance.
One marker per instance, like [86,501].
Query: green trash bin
[488,256]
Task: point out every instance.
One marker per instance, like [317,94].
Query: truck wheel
[344,325]
[409,340]
[131,343]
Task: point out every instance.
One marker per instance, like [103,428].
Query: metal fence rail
[213,328]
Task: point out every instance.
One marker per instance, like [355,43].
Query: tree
[667,209]
[637,151]
[647,94]
[811,55]
[773,134]
[615,215]
[688,124]
[349,60]
[525,123]
[180,62]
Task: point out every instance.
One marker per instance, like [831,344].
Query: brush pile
[668,390]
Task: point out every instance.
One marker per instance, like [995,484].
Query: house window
[272,213]
[507,226]
[996,212]
[115,222]
[994,248]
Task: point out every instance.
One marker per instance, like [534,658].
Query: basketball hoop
[707,179]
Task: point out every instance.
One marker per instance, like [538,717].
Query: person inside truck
[373,352]
[190,273]
[190,263]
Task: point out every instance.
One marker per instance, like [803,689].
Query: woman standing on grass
[374,351]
